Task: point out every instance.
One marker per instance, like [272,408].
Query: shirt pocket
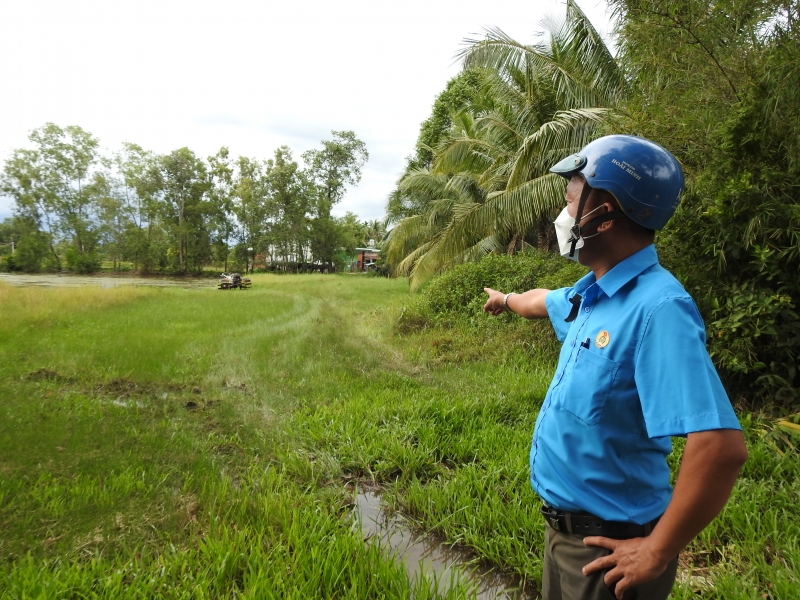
[586,390]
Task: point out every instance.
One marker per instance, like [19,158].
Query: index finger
[603,542]
[604,562]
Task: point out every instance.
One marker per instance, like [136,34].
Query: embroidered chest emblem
[602,339]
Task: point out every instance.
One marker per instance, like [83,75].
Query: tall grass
[198,443]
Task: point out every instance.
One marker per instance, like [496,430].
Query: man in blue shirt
[633,371]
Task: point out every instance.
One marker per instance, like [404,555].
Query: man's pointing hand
[494,304]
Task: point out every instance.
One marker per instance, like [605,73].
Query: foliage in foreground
[141,454]
[717,84]
[146,449]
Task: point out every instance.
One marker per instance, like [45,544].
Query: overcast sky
[247,74]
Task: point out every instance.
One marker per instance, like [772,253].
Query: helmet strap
[576,229]
[611,215]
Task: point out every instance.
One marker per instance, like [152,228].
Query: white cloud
[245,74]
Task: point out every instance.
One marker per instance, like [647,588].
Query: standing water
[422,554]
[106,281]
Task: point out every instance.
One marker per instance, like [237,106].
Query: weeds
[189,443]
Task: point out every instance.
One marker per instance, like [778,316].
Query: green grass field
[205,444]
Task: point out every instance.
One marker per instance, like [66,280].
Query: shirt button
[587,309]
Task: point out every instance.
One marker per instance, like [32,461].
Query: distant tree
[106,191]
[290,196]
[374,230]
[9,236]
[68,155]
[334,167]
[249,205]
[140,171]
[22,245]
[352,233]
[184,185]
[221,197]
[24,181]
[48,184]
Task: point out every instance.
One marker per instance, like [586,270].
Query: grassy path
[197,443]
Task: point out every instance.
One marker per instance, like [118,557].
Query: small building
[365,258]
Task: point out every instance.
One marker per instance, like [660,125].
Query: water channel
[52,280]
[424,554]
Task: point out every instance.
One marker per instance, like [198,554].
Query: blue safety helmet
[646,179]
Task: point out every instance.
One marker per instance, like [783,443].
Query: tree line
[716,83]
[175,213]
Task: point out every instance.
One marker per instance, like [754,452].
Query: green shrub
[460,290]
[451,308]
[734,245]
[456,298]
[82,262]
[30,245]
[30,253]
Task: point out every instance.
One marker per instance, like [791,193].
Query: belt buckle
[551,516]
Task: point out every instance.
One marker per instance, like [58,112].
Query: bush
[30,253]
[30,247]
[450,307]
[82,262]
[734,245]
[460,290]
[457,296]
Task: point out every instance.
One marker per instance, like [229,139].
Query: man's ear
[606,225]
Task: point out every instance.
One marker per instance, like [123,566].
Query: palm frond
[407,235]
[489,182]
[466,187]
[522,207]
[463,154]
[407,266]
[516,210]
[567,133]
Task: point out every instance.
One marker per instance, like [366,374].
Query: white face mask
[564,224]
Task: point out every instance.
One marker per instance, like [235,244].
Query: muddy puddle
[51,280]
[424,554]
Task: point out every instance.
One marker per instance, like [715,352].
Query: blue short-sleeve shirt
[633,371]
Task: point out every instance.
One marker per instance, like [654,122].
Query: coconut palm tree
[542,102]
[444,198]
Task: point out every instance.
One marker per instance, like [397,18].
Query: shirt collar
[584,282]
[626,270]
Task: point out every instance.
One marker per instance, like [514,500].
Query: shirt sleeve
[558,308]
[679,388]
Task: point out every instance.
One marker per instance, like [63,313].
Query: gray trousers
[565,555]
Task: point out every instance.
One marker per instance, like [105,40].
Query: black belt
[586,524]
